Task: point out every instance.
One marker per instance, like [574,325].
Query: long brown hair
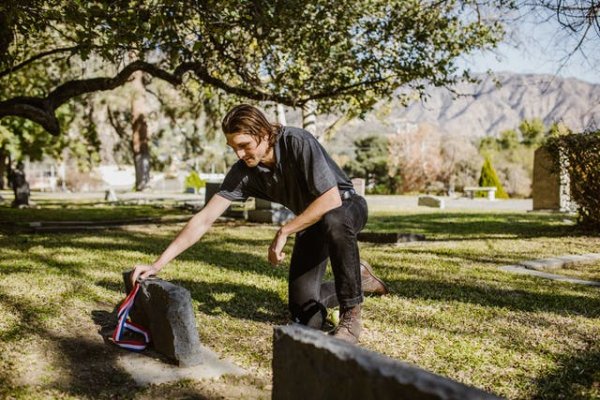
[248,119]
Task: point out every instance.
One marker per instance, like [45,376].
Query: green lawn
[451,310]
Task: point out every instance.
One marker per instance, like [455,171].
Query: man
[288,166]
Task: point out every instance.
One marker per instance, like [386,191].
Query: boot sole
[370,269]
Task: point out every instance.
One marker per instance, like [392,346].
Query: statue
[19,185]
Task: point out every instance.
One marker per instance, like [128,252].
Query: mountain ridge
[483,108]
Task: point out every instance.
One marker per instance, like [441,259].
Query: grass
[451,311]
[589,272]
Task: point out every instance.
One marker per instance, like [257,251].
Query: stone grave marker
[551,185]
[310,365]
[166,310]
[389,237]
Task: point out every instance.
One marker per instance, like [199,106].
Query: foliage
[532,132]
[513,150]
[428,160]
[194,181]
[345,55]
[490,178]
[579,154]
[371,164]
[23,138]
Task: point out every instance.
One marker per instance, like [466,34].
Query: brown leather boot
[350,325]
[371,283]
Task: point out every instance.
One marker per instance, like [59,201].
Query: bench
[471,190]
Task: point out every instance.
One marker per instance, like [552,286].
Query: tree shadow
[575,375]
[208,251]
[92,367]
[243,301]
[488,296]
[470,226]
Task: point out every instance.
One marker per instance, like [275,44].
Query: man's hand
[142,271]
[276,254]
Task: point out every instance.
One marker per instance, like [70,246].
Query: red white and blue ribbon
[125,323]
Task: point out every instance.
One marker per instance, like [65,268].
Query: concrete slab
[527,271]
[146,370]
[561,261]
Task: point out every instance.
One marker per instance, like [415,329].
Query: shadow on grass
[238,300]
[87,366]
[91,364]
[517,300]
[243,301]
[575,376]
[469,226]
[209,251]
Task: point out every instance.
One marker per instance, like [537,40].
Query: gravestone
[166,310]
[310,365]
[212,188]
[389,237]
[551,184]
[431,201]
[269,212]
[20,187]
[359,186]
[110,196]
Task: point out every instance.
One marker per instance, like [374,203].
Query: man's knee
[312,314]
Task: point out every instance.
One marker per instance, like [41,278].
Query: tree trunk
[309,118]
[281,115]
[3,170]
[140,137]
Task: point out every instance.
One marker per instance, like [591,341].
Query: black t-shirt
[303,172]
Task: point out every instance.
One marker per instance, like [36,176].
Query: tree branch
[42,110]
[37,57]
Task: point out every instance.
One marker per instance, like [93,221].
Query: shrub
[194,181]
[579,154]
[490,178]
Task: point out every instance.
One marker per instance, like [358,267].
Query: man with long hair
[289,166]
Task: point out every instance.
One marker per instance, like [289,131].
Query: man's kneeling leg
[312,314]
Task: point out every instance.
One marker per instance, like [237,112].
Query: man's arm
[190,234]
[314,212]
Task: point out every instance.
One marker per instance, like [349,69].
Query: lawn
[451,311]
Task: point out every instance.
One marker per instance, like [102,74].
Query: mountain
[485,108]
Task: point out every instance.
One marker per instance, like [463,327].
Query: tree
[532,132]
[579,19]
[371,163]
[490,178]
[509,139]
[344,55]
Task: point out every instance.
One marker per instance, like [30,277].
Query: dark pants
[333,237]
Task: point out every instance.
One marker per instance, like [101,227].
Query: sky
[540,49]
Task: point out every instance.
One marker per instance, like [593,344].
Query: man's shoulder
[239,168]
[293,134]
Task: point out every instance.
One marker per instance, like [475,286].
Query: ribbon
[124,323]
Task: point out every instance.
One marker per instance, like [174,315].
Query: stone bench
[310,365]
[166,310]
[490,190]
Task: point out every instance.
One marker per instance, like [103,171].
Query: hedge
[579,154]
